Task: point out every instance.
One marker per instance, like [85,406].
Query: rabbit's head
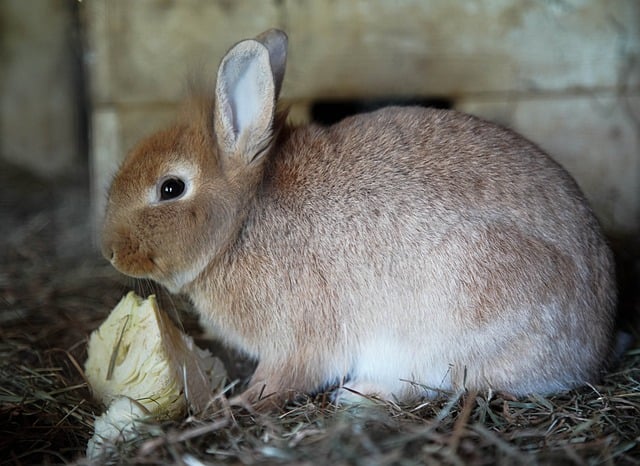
[178,199]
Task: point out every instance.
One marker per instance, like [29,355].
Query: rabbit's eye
[171,189]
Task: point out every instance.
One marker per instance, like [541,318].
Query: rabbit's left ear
[249,80]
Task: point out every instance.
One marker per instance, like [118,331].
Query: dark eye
[171,189]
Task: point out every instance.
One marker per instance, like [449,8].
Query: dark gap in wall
[327,112]
[77,42]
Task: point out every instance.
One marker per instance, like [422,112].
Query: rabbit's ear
[247,87]
[276,42]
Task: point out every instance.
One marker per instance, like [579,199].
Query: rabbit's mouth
[147,266]
[144,267]
[134,265]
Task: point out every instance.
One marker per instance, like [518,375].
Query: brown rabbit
[399,253]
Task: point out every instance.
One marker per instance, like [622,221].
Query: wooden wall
[564,73]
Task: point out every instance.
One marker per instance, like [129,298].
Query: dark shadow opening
[328,112]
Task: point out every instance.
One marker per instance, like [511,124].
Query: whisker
[168,301]
[175,313]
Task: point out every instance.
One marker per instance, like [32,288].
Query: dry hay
[46,413]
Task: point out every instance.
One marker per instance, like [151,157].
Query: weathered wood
[559,72]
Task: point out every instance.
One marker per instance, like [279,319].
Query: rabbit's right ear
[247,88]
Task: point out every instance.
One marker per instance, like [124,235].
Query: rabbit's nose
[108,250]
[108,253]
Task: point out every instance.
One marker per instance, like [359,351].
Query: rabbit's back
[445,164]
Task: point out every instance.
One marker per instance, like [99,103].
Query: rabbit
[397,254]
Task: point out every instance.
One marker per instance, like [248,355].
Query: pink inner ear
[247,96]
